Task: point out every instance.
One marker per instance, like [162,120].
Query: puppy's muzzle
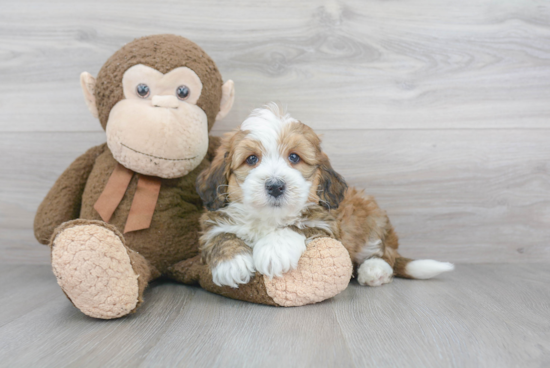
[275,187]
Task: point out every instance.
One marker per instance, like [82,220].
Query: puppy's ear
[212,183]
[332,185]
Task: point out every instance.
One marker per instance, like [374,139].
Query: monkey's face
[157,98]
[157,129]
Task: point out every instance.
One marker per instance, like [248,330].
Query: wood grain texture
[343,64]
[439,110]
[478,316]
[454,195]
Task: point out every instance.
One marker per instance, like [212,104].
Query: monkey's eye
[182,92]
[143,90]
[252,160]
[294,158]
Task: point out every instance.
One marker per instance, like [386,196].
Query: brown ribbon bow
[143,204]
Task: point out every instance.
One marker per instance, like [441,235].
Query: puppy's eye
[294,158]
[182,92]
[252,160]
[143,90]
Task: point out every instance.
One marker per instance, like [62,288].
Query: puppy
[271,189]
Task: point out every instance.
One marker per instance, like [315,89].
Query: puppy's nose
[275,187]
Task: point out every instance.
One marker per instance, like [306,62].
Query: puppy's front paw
[374,272]
[278,252]
[235,271]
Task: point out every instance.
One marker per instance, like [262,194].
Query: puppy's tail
[420,268]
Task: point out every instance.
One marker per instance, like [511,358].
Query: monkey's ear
[332,186]
[87,82]
[228,97]
[212,183]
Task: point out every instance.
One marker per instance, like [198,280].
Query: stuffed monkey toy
[126,212]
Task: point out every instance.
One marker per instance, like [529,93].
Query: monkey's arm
[213,144]
[323,271]
[63,201]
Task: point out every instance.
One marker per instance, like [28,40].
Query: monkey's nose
[165,101]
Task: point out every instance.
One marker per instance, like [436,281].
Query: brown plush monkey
[126,212]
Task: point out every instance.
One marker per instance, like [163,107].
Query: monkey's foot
[93,267]
[323,271]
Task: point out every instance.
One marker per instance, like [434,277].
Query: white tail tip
[427,268]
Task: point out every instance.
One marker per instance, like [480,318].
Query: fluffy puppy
[271,189]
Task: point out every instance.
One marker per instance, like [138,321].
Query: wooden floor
[478,316]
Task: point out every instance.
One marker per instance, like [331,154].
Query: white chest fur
[252,227]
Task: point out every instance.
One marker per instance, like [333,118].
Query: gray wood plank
[38,286]
[58,334]
[456,195]
[344,65]
[459,319]
[247,335]
[31,163]
[480,315]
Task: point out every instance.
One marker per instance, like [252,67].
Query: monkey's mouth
[157,157]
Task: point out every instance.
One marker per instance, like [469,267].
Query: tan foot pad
[93,268]
[323,271]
